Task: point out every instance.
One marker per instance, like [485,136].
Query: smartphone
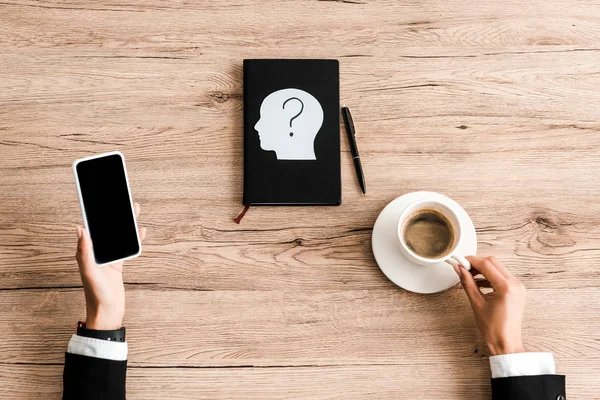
[107,208]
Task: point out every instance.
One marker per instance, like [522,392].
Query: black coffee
[429,234]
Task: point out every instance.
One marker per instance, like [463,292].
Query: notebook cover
[292,132]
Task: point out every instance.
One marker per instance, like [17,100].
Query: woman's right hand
[499,314]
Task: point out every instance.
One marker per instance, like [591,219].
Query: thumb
[85,254]
[469,284]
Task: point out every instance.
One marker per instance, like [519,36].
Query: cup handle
[456,259]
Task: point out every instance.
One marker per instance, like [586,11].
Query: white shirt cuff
[98,348]
[522,364]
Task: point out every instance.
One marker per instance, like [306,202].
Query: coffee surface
[429,234]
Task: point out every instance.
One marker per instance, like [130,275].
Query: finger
[137,209]
[489,271]
[468,283]
[503,270]
[142,233]
[85,253]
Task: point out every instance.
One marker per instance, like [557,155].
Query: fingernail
[457,270]
[78,232]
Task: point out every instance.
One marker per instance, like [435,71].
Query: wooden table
[494,104]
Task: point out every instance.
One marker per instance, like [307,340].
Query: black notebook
[292,132]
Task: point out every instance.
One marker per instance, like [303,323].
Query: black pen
[353,149]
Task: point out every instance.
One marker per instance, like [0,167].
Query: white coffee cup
[452,256]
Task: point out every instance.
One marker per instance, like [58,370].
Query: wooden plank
[277,328]
[331,382]
[242,24]
[544,245]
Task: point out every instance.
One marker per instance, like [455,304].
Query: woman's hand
[103,286]
[499,313]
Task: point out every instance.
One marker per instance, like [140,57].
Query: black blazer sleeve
[539,387]
[89,378]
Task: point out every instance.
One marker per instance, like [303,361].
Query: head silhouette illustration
[289,122]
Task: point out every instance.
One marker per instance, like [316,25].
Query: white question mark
[299,112]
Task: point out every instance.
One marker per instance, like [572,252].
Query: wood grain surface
[494,104]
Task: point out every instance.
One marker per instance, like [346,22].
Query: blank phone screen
[108,210]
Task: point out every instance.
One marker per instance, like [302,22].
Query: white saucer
[404,273]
